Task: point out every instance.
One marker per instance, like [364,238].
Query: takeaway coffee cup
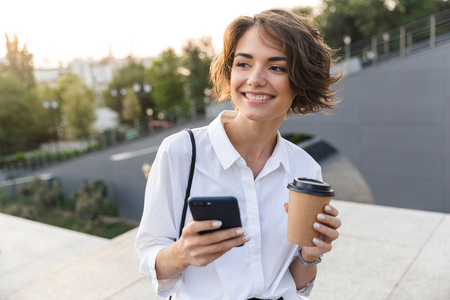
[307,198]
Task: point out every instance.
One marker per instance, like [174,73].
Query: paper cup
[307,198]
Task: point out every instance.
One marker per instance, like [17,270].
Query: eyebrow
[275,58]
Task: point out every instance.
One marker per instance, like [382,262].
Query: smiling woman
[272,65]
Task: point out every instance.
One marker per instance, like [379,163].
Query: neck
[255,142]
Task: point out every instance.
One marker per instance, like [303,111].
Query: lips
[258,97]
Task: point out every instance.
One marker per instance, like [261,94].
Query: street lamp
[141,90]
[147,87]
[136,87]
[347,42]
[52,106]
[149,112]
[386,42]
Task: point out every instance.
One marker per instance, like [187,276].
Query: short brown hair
[308,58]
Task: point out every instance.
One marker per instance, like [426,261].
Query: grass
[108,230]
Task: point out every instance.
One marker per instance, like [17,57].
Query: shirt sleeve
[306,291]
[163,206]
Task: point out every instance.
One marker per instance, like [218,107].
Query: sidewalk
[382,253]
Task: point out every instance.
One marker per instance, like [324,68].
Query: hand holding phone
[224,209]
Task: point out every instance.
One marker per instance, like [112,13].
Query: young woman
[271,65]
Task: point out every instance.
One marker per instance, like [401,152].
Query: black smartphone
[225,209]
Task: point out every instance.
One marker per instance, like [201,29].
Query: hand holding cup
[312,221]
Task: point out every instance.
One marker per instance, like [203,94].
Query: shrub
[27,212]
[41,194]
[91,200]
[19,155]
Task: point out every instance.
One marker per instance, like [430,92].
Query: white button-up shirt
[258,269]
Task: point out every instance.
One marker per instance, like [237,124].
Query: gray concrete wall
[394,125]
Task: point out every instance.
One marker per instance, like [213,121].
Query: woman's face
[260,86]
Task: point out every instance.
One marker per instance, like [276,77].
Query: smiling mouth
[258,97]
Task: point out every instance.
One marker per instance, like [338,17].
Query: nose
[256,77]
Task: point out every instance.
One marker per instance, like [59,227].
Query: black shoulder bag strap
[189,185]
[191,175]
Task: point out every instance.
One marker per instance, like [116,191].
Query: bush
[41,194]
[38,200]
[27,212]
[19,155]
[90,200]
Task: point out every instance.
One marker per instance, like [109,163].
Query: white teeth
[258,97]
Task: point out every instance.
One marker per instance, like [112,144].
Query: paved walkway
[383,253]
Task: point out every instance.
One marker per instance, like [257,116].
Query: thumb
[286,207]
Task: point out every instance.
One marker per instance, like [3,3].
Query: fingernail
[316,241]
[240,231]
[216,223]
[327,208]
[321,216]
[317,226]
[246,238]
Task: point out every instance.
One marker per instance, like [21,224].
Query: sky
[60,31]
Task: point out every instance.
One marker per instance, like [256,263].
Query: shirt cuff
[164,287]
[167,287]
[306,291]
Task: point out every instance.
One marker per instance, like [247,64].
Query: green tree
[197,57]
[357,19]
[361,19]
[78,106]
[131,108]
[406,11]
[15,113]
[132,75]
[167,82]
[20,61]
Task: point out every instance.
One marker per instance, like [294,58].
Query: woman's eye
[242,64]
[278,69]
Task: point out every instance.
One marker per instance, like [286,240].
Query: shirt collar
[221,144]
[226,152]
[280,153]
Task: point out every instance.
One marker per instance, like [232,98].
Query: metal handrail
[423,34]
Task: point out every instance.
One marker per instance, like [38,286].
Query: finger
[224,245]
[194,227]
[327,231]
[202,256]
[223,235]
[286,207]
[331,221]
[320,243]
[331,210]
